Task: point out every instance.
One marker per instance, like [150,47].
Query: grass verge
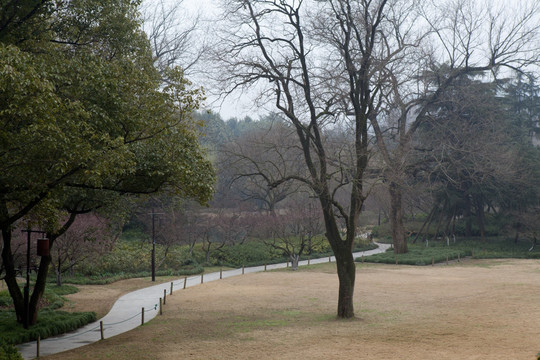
[440,251]
[50,322]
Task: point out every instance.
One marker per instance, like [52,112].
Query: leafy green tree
[84,120]
[472,151]
[522,98]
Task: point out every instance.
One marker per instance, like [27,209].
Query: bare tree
[354,63]
[269,44]
[89,236]
[174,35]
[417,51]
[466,39]
[293,230]
[253,162]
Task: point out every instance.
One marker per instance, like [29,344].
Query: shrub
[5,299]
[248,254]
[417,255]
[9,352]
[50,323]
[131,258]
[495,247]
[109,278]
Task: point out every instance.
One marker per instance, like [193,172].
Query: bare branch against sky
[243,102]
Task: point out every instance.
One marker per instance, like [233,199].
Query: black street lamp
[26,317]
[154,245]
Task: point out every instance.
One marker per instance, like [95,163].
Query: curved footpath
[126,312]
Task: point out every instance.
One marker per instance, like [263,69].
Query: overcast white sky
[230,107]
[237,106]
[242,104]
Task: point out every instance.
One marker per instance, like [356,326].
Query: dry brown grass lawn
[477,310]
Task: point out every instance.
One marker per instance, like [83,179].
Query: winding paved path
[125,314]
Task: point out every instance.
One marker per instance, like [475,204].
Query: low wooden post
[432,261]
[164,296]
[101,330]
[264,266]
[160,306]
[330,259]
[242,269]
[446,259]
[171,287]
[459,257]
[287,263]
[202,278]
[142,317]
[185,281]
[38,345]
[220,273]
[396,261]
[309,260]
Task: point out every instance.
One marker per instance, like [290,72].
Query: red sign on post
[43,247]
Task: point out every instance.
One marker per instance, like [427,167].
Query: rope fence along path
[126,312]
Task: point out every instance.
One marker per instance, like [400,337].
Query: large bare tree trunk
[346,270]
[396,219]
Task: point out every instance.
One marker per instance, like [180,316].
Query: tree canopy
[85,117]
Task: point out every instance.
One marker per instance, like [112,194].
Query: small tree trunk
[58,278]
[11,276]
[294,261]
[71,268]
[481,217]
[58,273]
[191,247]
[426,222]
[468,217]
[39,288]
[396,219]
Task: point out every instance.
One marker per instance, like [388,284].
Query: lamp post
[26,318]
[153,214]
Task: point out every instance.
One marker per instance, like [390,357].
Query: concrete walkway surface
[126,313]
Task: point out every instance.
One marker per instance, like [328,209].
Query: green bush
[494,226]
[52,296]
[256,253]
[50,323]
[417,255]
[132,258]
[133,233]
[437,251]
[251,253]
[9,352]
[5,299]
[62,290]
[109,278]
[364,246]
